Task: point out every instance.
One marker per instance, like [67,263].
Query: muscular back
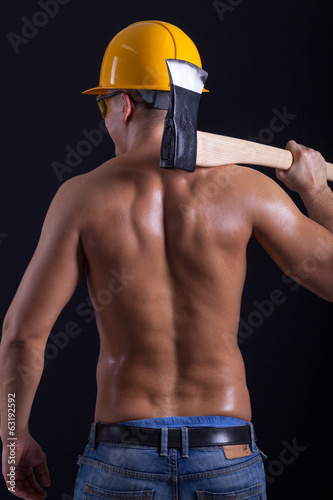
[166,262]
[165,255]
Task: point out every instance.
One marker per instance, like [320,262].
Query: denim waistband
[195,421]
[183,423]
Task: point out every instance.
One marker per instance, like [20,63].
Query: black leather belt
[200,436]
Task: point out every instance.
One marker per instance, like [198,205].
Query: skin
[166,260]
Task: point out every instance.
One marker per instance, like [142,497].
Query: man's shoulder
[71,189]
[238,177]
[83,184]
[247,188]
[108,178]
[117,172]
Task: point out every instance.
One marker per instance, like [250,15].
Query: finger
[31,483]
[43,473]
[278,173]
[296,149]
[291,145]
[282,174]
[27,493]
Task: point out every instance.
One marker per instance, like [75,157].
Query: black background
[261,55]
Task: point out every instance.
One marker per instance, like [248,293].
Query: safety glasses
[102,101]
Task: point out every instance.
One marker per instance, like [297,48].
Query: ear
[127,107]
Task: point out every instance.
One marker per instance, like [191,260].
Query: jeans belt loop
[253,439]
[164,442]
[185,445]
[92,436]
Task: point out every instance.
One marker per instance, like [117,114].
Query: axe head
[179,142]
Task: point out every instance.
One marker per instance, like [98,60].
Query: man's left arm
[308,177]
[48,283]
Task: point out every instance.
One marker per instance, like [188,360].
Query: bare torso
[166,259]
[166,262]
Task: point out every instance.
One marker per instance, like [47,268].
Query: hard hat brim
[99,90]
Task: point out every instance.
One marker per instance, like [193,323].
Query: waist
[193,421]
[197,431]
[138,400]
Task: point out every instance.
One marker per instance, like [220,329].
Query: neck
[145,137]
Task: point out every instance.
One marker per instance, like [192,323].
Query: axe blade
[179,142]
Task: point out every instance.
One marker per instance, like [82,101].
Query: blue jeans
[136,472]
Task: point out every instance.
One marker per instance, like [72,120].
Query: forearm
[320,206]
[21,366]
[308,177]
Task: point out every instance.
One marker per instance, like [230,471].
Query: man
[170,373]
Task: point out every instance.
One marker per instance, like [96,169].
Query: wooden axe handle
[214,150]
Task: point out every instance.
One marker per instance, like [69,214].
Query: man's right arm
[301,247]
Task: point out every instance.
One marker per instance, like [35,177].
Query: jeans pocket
[253,493]
[92,492]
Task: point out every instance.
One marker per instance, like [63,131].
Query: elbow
[22,343]
[329,297]
[325,293]
[15,333]
[21,350]
[11,331]
[327,288]
[324,296]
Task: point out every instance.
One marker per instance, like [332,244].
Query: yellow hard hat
[135,57]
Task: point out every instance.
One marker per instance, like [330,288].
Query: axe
[183,147]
